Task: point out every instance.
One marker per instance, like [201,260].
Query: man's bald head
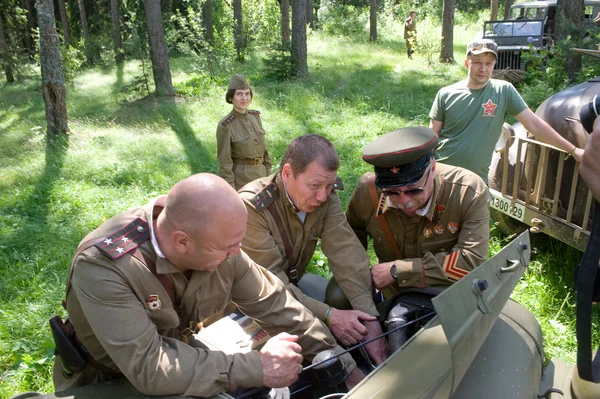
[195,203]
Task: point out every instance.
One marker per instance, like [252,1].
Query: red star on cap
[395,170]
[489,108]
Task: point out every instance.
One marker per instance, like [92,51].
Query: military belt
[248,161]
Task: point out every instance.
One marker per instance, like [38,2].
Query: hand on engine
[377,349]
[281,360]
[347,326]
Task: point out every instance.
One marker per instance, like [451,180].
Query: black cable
[369,341]
[253,391]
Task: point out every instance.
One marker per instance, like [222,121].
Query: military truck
[466,341]
[536,185]
[532,23]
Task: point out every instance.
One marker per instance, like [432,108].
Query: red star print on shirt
[489,108]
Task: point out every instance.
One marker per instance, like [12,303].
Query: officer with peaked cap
[241,148]
[428,222]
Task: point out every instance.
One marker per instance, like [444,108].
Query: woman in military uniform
[241,150]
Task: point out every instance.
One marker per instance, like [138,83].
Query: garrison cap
[401,157]
[238,82]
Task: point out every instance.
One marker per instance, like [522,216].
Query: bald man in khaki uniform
[429,222]
[288,212]
[141,280]
[241,148]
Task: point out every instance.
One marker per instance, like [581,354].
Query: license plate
[503,205]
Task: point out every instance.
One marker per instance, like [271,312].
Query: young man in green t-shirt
[468,115]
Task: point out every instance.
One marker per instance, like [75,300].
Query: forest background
[128,143]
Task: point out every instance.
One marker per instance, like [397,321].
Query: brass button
[140,229]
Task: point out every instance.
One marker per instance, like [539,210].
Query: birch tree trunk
[53,86]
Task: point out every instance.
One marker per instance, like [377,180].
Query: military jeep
[529,25]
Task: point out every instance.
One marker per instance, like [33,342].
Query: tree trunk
[159,53]
[310,20]
[507,5]
[299,48]
[238,28]
[447,50]
[569,19]
[53,86]
[31,26]
[84,25]
[116,30]
[373,19]
[285,23]
[494,10]
[7,63]
[65,23]
[209,22]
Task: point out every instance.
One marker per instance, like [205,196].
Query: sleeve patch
[265,197]
[452,272]
[126,239]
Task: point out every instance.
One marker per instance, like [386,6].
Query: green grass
[125,149]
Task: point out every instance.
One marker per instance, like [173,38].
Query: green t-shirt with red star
[473,122]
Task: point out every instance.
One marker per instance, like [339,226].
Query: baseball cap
[482,46]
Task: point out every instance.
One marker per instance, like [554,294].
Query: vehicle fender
[510,362]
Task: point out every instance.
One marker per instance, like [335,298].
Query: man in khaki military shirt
[288,212]
[429,222]
[141,280]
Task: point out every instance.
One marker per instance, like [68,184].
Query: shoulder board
[265,197]
[126,239]
[253,111]
[339,184]
[228,120]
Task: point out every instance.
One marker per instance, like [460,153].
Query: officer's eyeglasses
[412,192]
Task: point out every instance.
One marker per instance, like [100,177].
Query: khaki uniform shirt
[347,259]
[241,136]
[126,320]
[438,248]
[410,28]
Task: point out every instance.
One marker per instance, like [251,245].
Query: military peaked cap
[401,157]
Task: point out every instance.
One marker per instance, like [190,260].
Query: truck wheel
[506,224]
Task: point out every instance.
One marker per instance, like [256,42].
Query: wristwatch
[393,272]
